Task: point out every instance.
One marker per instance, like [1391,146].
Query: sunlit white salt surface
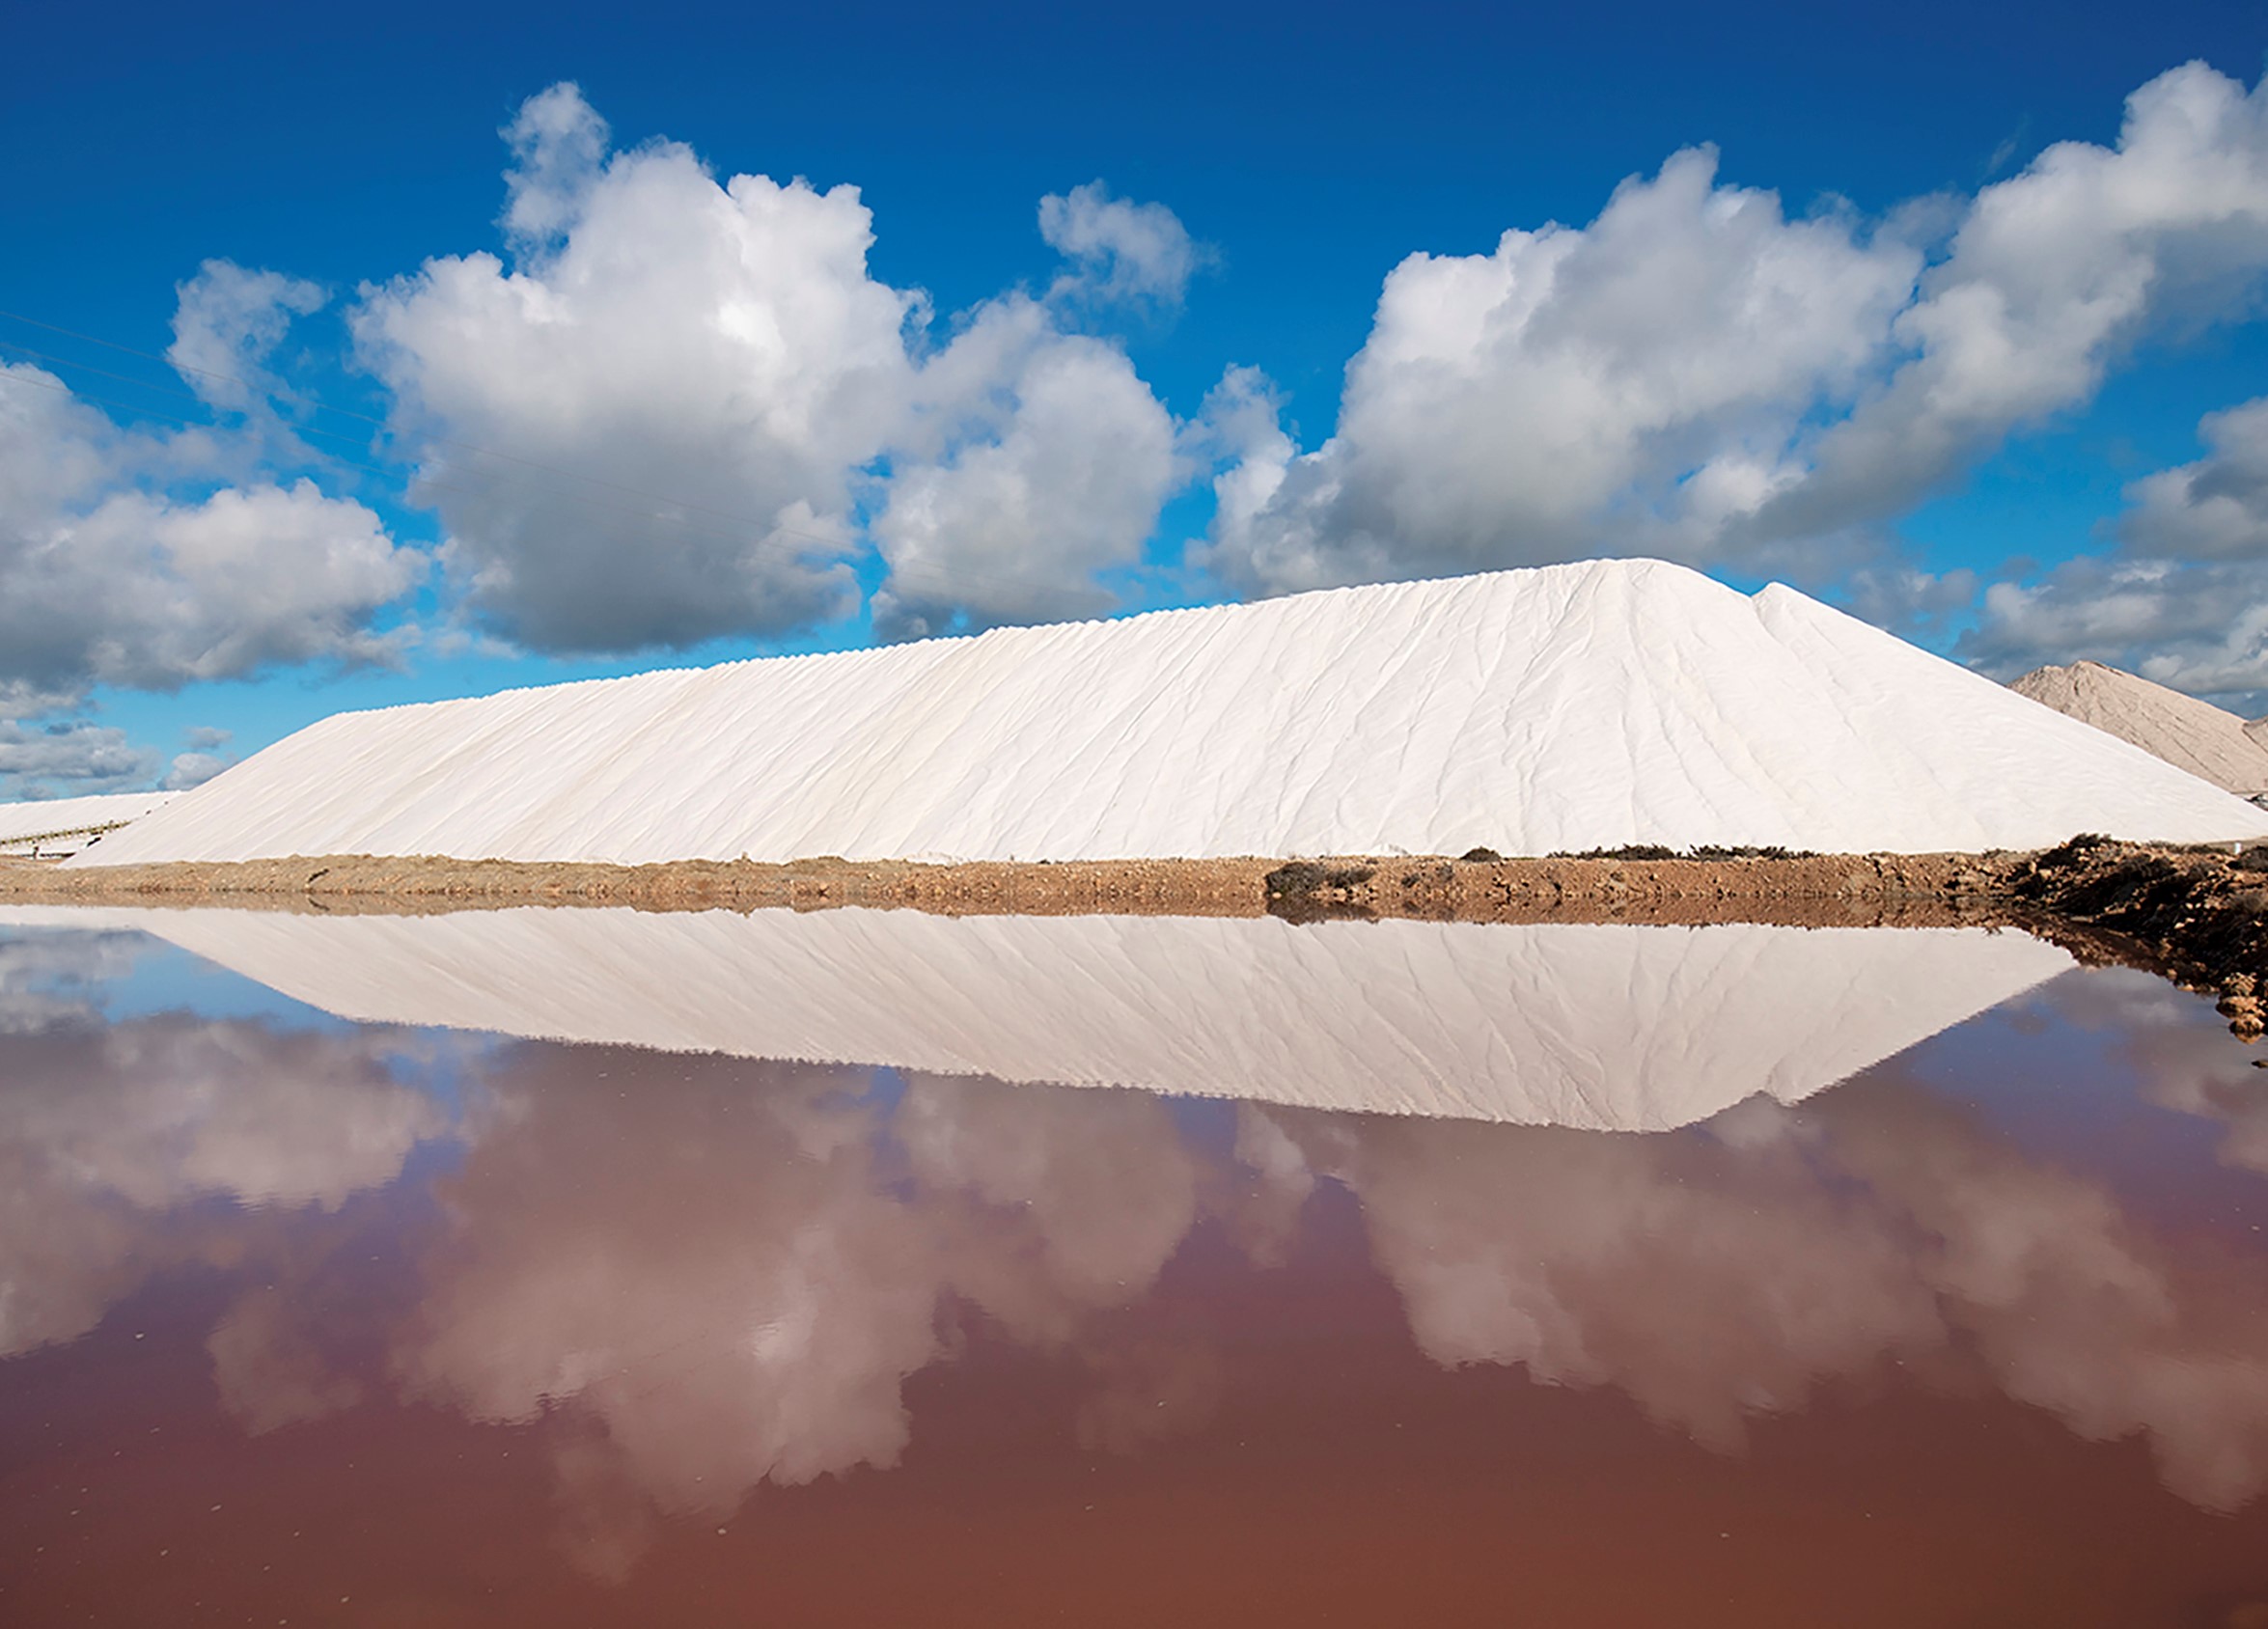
[1568,707]
[1606,1026]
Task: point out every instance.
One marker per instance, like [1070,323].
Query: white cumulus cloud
[2053,275]
[153,560]
[1119,250]
[1628,385]
[68,758]
[2215,509]
[2181,601]
[225,325]
[122,562]
[657,332]
[1048,459]
[665,415]
[1696,374]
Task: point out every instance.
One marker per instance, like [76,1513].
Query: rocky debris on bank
[2198,917]
[1645,881]
[2210,743]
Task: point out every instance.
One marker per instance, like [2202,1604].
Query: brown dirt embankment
[424,884]
[1811,890]
[2197,915]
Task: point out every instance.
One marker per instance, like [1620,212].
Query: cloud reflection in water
[112,1137]
[703,1274]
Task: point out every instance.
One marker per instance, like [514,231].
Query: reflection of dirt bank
[2199,916]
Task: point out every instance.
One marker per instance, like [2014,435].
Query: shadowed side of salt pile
[1600,1026]
[1566,708]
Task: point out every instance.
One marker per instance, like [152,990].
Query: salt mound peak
[2210,743]
[1565,707]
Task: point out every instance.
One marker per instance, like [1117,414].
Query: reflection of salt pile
[2191,734]
[1604,1026]
[62,825]
[1569,708]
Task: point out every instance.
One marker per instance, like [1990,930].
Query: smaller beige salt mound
[2210,743]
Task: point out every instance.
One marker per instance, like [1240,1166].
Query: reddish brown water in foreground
[313,1324]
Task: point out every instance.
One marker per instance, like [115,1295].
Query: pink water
[316,1324]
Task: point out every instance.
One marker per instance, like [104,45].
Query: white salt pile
[1569,708]
[2194,735]
[60,825]
[1609,1027]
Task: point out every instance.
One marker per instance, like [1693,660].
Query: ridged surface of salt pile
[2210,743]
[20,822]
[1566,707]
[1604,1027]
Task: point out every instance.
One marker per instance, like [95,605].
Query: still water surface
[1368,1273]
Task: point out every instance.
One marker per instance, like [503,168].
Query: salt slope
[20,822]
[1602,1027]
[1571,706]
[2191,734]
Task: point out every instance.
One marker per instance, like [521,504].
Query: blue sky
[1895,347]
